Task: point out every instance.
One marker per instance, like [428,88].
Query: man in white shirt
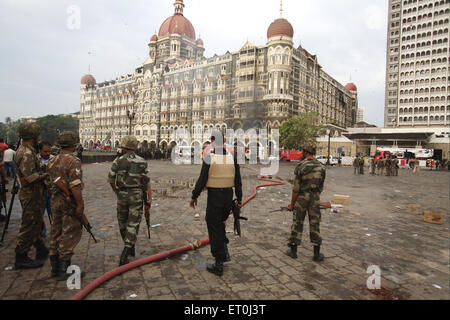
[8,158]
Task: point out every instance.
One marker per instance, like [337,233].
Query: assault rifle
[14,191]
[147,204]
[82,218]
[3,192]
[323,205]
[237,218]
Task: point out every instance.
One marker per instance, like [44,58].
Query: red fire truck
[290,155]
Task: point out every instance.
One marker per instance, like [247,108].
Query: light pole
[328,154]
[131,118]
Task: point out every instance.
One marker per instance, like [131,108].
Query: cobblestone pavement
[376,229]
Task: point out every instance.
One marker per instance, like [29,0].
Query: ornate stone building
[177,87]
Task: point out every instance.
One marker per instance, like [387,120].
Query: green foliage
[49,124]
[296,131]
[52,124]
[8,130]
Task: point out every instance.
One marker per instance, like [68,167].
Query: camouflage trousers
[66,230]
[30,233]
[130,207]
[308,203]
[380,171]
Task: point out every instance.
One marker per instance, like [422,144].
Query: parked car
[323,160]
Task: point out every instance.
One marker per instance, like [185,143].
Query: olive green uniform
[308,183]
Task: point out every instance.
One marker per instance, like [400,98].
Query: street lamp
[328,154]
[131,118]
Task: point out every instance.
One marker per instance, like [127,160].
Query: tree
[298,130]
[53,125]
[8,130]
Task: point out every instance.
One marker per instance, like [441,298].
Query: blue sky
[42,59]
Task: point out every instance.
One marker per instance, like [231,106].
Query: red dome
[88,79]
[351,86]
[154,38]
[200,42]
[280,27]
[177,24]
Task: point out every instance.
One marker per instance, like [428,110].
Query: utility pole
[131,118]
[328,155]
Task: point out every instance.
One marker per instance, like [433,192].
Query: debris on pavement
[436,286]
[341,199]
[413,208]
[433,217]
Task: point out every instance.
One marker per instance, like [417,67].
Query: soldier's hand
[193,203]
[5,181]
[290,207]
[44,176]
[239,205]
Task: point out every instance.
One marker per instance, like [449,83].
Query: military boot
[124,257]
[227,254]
[292,252]
[132,252]
[62,270]
[317,255]
[216,268]
[54,262]
[41,252]
[24,262]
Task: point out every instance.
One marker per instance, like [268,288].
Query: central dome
[280,27]
[177,24]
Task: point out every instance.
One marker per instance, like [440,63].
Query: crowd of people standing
[388,166]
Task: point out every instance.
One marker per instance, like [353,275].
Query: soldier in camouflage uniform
[388,166]
[31,199]
[395,166]
[356,165]
[308,184]
[66,227]
[361,165]
[128,179]
[380,166]
[372,166]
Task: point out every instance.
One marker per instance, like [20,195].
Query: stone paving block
[412,256]
[279,290]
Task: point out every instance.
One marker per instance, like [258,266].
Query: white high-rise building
[360,114]
[417,76]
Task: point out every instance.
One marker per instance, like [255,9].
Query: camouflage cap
[309,147]
[129,142]
[67,139]
[29,130]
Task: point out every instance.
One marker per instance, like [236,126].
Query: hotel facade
[257,87]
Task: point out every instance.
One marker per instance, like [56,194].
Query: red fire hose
[111,274]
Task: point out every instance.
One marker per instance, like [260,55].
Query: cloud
[348,36]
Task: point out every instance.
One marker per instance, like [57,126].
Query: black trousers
[217,212]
